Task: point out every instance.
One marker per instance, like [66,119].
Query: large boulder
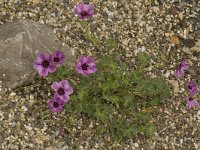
[20,43]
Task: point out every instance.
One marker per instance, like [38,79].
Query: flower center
[190,99]
[55,104]
[190,87]
[45,64]
[56,59]
[61,91]
[84,13]
[84,66]
[180,66]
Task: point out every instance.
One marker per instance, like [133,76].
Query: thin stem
[72,80]
[115,143]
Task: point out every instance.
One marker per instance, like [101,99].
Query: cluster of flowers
[191,85]
[46,64]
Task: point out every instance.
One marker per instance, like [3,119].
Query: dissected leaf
[144,58]
[109,63]
[92,39]
[102,112]
[84,23]
[111,98]
[129,101]
[111,43]
[115,93]
[143,117]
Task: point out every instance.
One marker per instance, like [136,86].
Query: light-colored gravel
[25,119]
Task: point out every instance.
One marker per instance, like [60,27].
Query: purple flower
[192,87]
[62,89]
[56,104]
[58,57]
[184,65]
[84,11]
[86,65]
[44,65]
[190,103]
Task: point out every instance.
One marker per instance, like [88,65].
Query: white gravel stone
[31,97]
[136,144]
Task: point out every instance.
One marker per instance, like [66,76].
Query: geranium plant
[104,89]
[120,99]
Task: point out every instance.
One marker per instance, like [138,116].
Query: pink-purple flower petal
[55,86]
[192,87]
[44,65]
[178,73]
[42,56]
[65,98]
[190,103]
[64,83]
[56,104]
[58,57]
[182,67]
[85,65]
[84,11]
[43,73]
[62,89]
[69,90]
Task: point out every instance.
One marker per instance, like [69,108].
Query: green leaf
[61,73]
[154,102]
[160,87]
[109,63]
[130,131]
[102,111]
[151,129]
[111,43]
[84,23]
[142,116]
[144,58]
[69,121]
[101,130]
[142,129]
[128,101]
[82,93]
[137,76]
[125,80]
[122,130]
[111,98]
[92,39]
[70,106]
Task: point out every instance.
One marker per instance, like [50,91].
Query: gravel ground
[167,29]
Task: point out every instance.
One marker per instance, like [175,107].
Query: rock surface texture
[20,43]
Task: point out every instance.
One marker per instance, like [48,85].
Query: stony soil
[167,29]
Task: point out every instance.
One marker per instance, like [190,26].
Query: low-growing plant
[121,100]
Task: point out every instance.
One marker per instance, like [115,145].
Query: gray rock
[20,43]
